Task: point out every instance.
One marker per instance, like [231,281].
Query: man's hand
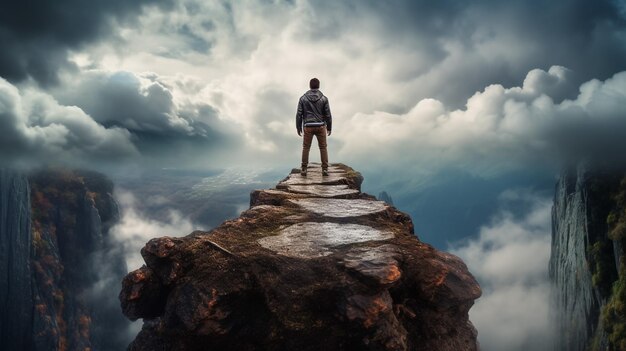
[329,131]
[299,132]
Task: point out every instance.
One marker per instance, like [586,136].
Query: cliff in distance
[313,264]
[54,238]
[587,269]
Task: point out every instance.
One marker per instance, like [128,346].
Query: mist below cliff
[509,258]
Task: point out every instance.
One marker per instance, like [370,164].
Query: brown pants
[320,134]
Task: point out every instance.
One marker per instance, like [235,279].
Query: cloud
[228,76]
[500,129]
[134,229]
[168,124]
[134,102]
[121,253]
[100,118]
[373,55]
[252,60]
[37,35]
[36,127]
[510,260]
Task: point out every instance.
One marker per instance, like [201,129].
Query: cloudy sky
[448,105]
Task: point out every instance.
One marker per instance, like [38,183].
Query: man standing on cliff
[314,117]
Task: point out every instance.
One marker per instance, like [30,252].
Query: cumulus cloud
[135,102]
[134,229]
[510,260]
[500,129]
[168,122]
[36,127]
[100,118]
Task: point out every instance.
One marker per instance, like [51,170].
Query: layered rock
[313,264]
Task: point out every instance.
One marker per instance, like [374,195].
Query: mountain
[54,248]
[313,264]
[586,264]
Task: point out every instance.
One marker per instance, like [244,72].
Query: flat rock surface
[341,208]
[313,178]
[314,265]
[312,239]
[323,190]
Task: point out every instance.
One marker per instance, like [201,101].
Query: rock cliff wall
[53,245]
[584,262]
[16,301]
[314,264]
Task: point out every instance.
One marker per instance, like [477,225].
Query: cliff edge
[313,264]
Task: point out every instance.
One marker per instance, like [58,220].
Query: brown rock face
[312,265]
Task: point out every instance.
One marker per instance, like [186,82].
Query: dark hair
[314,83]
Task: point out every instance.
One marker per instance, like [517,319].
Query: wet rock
[333,191]
[313,178]
[341,207]
[312,239]
[307,267]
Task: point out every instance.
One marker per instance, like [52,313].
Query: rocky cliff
[585,264]
[16,301]
[314,264]
[53,244]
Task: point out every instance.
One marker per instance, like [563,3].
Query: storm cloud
[36,127]
[37,35]
[222,78]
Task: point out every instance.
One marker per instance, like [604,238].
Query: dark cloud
[145,106]
[38,129]
[123,99]
[104,118]
[587,37]
[465,46]
[36,35]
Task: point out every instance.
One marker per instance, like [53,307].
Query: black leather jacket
[313,108]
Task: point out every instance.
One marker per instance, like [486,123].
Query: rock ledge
[314,264]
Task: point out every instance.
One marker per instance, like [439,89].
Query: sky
[450,106]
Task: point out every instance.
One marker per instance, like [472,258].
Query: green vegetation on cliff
[613,315]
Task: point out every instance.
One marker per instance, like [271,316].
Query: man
[314,117]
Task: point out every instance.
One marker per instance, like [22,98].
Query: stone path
[315,239]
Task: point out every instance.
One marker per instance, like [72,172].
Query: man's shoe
[324,172]
[303,172]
